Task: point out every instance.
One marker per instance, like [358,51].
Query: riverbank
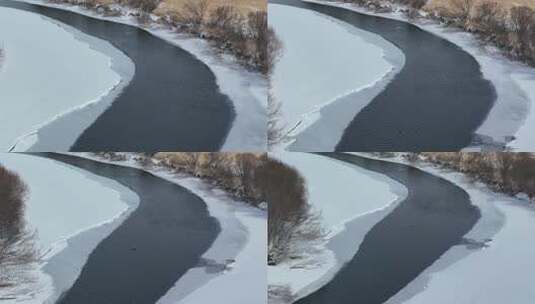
[26,74]
[245,90]
[485,256]
[513,108]
[238,247]
[315,115]
[316,259]
[102,205]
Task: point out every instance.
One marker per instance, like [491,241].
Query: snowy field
[247,90]
[499,272]
[320,63]
[85,201]
[340,193]
[49,70]
[514,110]
[241,243]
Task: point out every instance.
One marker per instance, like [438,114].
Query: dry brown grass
[505,4]
[243,6]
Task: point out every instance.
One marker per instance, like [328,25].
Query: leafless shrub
[193,13]
[505,172]
[234,172]
[16,243]
[257,179]
[523,26]
[285,191]
[145,6]
[274,49]
[260,35]
[416,4]
[275,126]
[489,21]
[462,9]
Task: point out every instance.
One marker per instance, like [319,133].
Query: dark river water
[172,103]
[435,103]
[434,216]
[155,246]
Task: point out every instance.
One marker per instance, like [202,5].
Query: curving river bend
[173,102]
[155,246]
[435,103]
[434,216]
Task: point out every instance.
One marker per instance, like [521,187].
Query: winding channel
[435,103]
[434,216]
[155,246]
[173,102]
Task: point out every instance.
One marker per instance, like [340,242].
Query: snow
[248,273]
[247,90]
[514,108]
[85,201]
[358,192]
[317,66]
[525,137]
[50,71]
[243,239]
[498,273]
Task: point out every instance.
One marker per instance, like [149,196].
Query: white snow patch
[63,201]
[340,193]
[49,73]
[247,90]
[246,282]
[320,63]
[525,137]
[514,108]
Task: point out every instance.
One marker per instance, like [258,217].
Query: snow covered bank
[246,89]
[52,70]
[525,137]
[493,265]
[341,193]
[320,63]
[231,265]
[514,109]
[63,203]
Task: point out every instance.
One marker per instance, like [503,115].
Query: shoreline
[52,276]
[298,135]
[492,221]
[241,85]
[221,205]
[119,63]
[502,122]
[323,258]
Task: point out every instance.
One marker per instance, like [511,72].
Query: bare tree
[17,250]
[285,191]
[194,12]
[260,35]
[463,9]
[523,24]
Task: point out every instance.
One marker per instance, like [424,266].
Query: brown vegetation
[244,35]
[16,246]
[510,173]
[238,26]
[257,179]
[254,178]
[502,23]
[233,172]
[507,24]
